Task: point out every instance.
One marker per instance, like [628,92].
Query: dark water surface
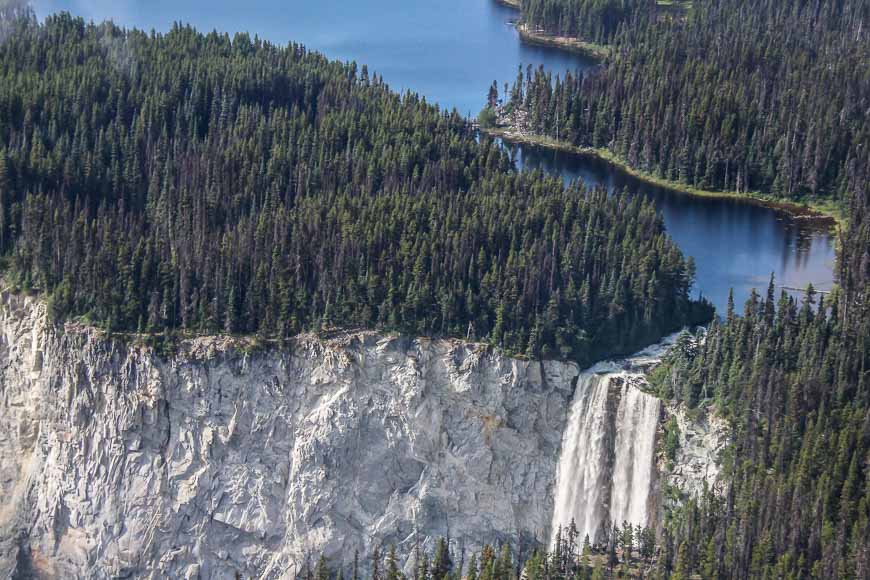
[736,244]
[450,51]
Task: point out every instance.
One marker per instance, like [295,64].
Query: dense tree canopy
[591,20]
[202,183]
[794,381]
[742,95]
[205,183]
[767,96]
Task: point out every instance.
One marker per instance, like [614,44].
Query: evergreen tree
[280,192]
[441,564]
[376,564]
[392,566]
[322,571]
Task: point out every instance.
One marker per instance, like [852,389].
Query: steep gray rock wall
[702,441]
[115,462]
[703,438]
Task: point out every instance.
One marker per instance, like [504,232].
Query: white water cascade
[606,469]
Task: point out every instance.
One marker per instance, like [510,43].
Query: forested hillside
[765,96]
[204,183]
[793,380]
[791,376]
[753,96]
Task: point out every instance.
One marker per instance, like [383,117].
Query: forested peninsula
[178,184]
[766,100]
[199,183]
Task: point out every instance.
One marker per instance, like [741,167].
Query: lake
[447,50]
[736,244]
[450,51]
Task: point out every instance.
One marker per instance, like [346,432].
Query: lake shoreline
[827,213]
[589,49]
[812,211]
[567,43]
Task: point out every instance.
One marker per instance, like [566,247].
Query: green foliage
[393,572]
[442,563]
[792,378]
[592,20]
[322,571]
[202,183]
[471,573]
[487,117]
[635,551]
[737,95]
[672,439]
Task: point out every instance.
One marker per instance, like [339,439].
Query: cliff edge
[221,460]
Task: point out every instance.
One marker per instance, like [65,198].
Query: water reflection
[734,243]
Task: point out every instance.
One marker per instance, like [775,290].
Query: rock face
[703,436]
[222,460]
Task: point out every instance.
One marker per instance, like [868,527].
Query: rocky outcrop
[703,437]
[225,460]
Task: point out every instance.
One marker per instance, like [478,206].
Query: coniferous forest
[628,550]
[185,183]
[792,378]
[591,20]
[202,183]
[732,95]
[770,97]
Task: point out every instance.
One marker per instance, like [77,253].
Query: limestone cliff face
[115,462]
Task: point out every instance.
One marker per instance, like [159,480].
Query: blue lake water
[735,244]
[450,51]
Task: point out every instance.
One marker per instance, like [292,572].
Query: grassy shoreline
[815,211]
[575,45]
[589,49]
[826,211]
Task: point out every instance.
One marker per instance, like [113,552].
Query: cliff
[222,460]
[703,438]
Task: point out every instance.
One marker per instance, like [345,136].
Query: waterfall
[637,424]
[582,477]
[608,450]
